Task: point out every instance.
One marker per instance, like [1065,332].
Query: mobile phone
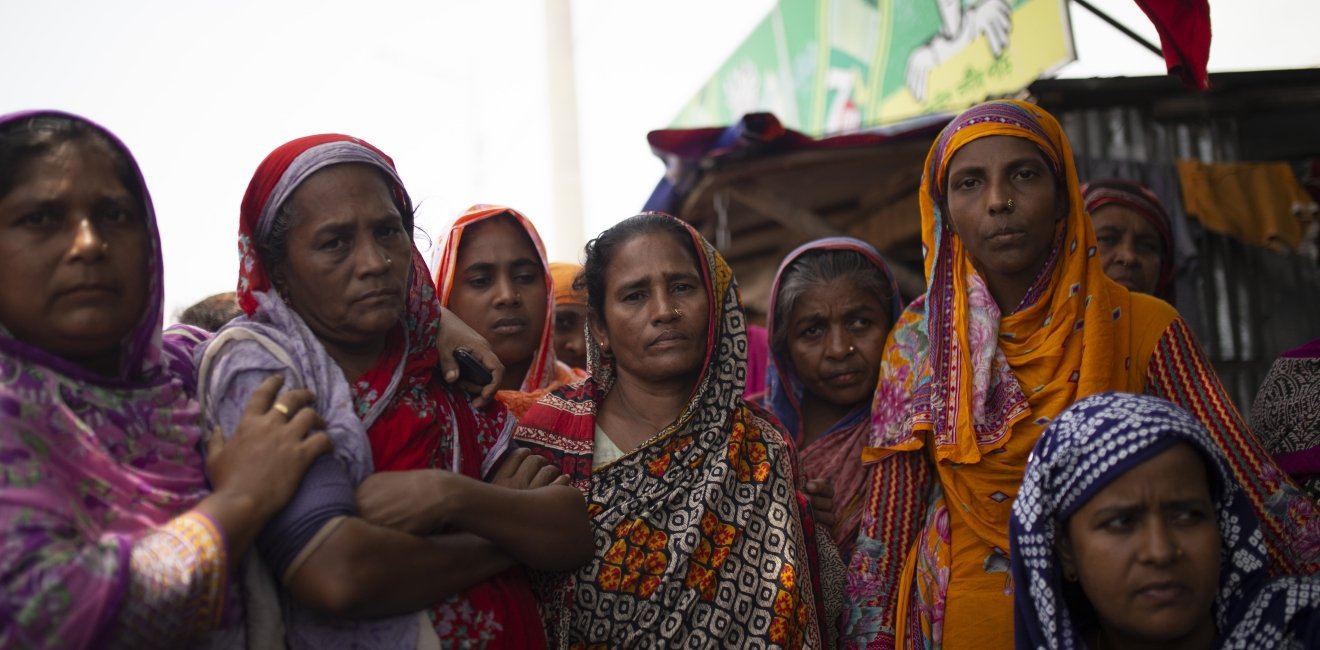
[471,370]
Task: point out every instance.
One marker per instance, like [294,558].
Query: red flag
[1184,27]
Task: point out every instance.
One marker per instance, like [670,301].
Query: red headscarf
[414,420]
[411,428]
[1138,198]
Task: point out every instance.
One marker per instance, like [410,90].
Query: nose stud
[852,348]
[1010,204]
[678,312]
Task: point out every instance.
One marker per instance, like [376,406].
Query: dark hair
[819,268]
[213,312]
[25,139]
[600,252]
[273,250]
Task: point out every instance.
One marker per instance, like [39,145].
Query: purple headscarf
[89,464]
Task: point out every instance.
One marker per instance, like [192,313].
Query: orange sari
[965,392]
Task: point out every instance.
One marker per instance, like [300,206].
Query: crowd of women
[514,453]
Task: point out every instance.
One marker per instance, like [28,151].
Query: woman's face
[1129,247]
[570,337]
[835,338]
[348,257]
[1008,245]
[1146,549]
[499,289]
[655,306]
[73,255]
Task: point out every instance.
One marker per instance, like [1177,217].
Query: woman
[701,539]
[570,315]
[1285,417]
[831,307]
[111,537]
[493,274]
[1133,233]
[1132,532]
[337,297]
[1018,322]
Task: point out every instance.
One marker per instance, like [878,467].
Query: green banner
[825,66]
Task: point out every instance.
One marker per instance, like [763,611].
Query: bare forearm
[366,571]
[545,528]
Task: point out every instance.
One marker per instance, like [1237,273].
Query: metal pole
[1120,27]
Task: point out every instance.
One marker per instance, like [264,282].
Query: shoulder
[1151,314]
[766,425]
[558,409]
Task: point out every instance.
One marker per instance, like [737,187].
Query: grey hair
[819,268]
[273,249]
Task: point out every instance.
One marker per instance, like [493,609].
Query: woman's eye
[1107,240]
[117,216]
[860,323]
[967,183]
[810,333]
[1189,516]
[525,278]
[1119,523]
[1027,174]
[633,297]
[681,287]
[479,282]
[39,219]
[332,244]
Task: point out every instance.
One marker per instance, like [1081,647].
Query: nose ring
[678,312]
[852,348]
[1010,204]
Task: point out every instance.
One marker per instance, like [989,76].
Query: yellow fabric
[1084,334]
[564,274]
[1257,203]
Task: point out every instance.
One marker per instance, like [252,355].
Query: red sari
[414,420]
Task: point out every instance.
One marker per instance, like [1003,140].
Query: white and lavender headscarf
[1092,443]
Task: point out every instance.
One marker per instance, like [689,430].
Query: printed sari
[545,373]
[702,538]
[399,415]
[965,393]
[836,453]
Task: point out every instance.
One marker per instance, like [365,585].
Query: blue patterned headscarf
[1092,443]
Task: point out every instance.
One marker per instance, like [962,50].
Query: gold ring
[283,410]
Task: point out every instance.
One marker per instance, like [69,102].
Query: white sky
[454,91]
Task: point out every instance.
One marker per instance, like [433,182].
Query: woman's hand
[264,461]
[456,335]
[413,502]
[821,495]
[523,470]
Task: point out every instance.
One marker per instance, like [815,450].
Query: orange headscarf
[544,374]
[564,273]
[970,403]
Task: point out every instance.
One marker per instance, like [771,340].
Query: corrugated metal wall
[1247,304]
